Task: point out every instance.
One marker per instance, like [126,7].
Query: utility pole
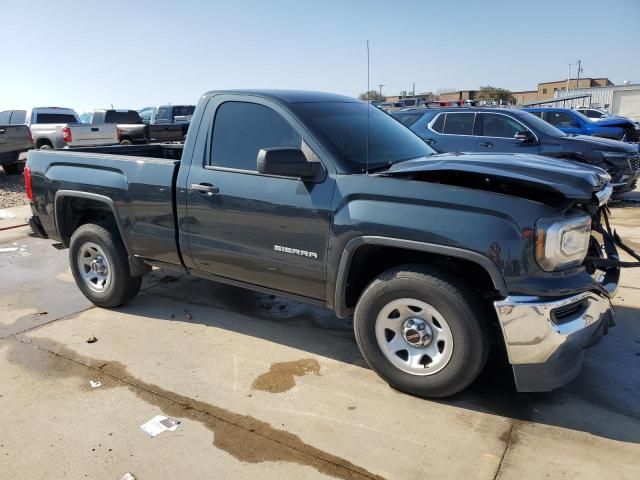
[579,71]
[380,85]
[413,90]
[568,78]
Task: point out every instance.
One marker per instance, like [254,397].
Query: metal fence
[600,97]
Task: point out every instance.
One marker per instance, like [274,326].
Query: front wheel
[422,331]
[100,266]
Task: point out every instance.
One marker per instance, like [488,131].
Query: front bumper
[546,338]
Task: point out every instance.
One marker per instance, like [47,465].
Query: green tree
[372,96]
[495,94]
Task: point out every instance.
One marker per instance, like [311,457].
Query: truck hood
[559,183]
[614,122]
[599,143]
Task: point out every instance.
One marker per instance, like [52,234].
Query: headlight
[562,243]
[606,155]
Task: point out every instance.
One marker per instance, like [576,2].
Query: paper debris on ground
[6,214]
[159,424]
[127,476]
[8,250]
[95,384]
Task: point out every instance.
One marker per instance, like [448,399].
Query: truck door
[496,133]
[244,226]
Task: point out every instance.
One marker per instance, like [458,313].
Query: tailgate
[14,138]
[165,133]
[93,135]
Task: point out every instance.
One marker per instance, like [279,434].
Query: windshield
[86,118]
[55,118]
[169,114]
[583,116]
[343,128]
[183,111]
[127,117]
[541,125]
[407,119]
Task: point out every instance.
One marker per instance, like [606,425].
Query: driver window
[495,125]
[241,129]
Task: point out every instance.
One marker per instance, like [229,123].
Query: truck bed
[168,151]
[138,181]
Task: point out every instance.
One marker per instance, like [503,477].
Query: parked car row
[55,127]
[516,131]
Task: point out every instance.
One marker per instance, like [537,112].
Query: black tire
[468,326]
[15,167]
[125,141]
[45,146]
[122,286]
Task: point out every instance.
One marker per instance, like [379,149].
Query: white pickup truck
[54,127]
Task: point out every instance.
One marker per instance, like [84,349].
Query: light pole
[579,71]
[568,78]
[380,85]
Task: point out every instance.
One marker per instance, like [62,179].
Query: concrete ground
[267,388]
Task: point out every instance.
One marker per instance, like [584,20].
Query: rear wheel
[45,146]
[417,329]
[14,167]
[125,141]
[100,266]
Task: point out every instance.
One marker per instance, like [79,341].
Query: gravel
[11,190]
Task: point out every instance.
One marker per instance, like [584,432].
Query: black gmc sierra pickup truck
[328,200]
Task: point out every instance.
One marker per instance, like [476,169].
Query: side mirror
[288,162]
[523,137]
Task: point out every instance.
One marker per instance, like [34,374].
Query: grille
[634,161]
[567,312]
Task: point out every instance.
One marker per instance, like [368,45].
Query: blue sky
[89,54]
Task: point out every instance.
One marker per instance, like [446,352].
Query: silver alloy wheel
[94,267]
[414,336]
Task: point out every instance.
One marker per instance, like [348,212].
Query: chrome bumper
[545,338]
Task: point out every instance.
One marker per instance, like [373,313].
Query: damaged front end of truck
[545,332]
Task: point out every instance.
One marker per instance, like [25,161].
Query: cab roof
[289,96]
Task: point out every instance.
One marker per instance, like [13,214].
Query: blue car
[573,122]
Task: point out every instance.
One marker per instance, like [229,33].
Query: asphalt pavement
[269,388]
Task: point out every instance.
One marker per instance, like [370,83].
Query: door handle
[204,188]
[486,144]
[429,141]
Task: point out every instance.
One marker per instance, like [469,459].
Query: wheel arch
[39,141]
[90,208]
[347,291]
[90,203]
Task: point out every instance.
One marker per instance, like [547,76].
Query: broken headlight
[562,243]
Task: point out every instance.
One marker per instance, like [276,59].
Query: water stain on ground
[244,437]
[281,376]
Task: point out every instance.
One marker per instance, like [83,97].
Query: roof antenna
[368,107]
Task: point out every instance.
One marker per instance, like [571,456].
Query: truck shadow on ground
[602,401]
